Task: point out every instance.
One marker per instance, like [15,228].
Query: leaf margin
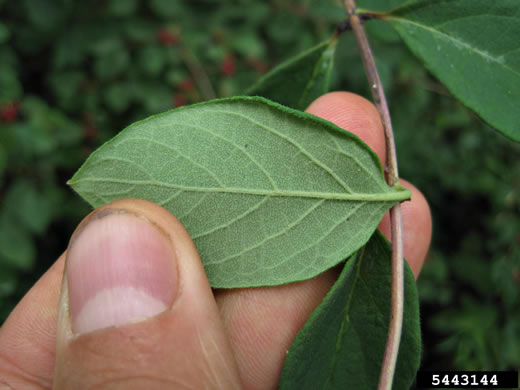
[328,46]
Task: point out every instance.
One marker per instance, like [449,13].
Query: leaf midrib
[364,197]
[452,38]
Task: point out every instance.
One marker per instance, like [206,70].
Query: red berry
[179,100]
[167,38]
[186,85]
[227,66]
[9,112]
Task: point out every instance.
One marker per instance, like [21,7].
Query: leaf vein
[232,143]
[323,236]
[187,157]
[273,236]
[294,143]
[123,160]
[234,220]
[170,198]
[190,210]
[381,184]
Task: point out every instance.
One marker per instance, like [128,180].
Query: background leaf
[269,195]
[380,5]
[16,247]
[298,81]
[342,345]
[473,47]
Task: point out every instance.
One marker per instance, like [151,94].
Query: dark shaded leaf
[472,46]
[342,345]
[298,81]
[17,249]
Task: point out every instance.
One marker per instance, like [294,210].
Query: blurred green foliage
[72,74]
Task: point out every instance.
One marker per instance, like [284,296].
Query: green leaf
[111,64]
[283,27]
[8,282]
[342,345]
[248,44]
[269,195]
[17,249]
[151,59]
[3,162]
[472,46]
[10,85]
[166,9]
[122,8]
[28,206]
[4,33]
[297,82]
[44,14]
[380,5]
[154,96]
[118,96]
[140,30]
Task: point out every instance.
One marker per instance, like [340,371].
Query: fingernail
[121,269]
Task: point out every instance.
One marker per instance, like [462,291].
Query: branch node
[364,16]
[343,26]
[346,26]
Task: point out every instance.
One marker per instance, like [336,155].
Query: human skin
[201,338]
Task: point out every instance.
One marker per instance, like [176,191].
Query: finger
[136,309]
[183,343]
[262,322]
[121,324]
[28,336]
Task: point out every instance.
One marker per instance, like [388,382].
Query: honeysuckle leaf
[269,195]
[379,5]
[298,81]
[342,344]
[473,47]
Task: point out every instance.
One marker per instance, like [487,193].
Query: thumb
[136,310]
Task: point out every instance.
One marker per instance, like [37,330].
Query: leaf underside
[473,47]
[342,344]
[298,81]
[268,194]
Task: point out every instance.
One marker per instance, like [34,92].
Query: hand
[132,264]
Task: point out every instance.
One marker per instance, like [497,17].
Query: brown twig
[198,74]
[392,178]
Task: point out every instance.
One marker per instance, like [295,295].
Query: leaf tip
[71,182]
